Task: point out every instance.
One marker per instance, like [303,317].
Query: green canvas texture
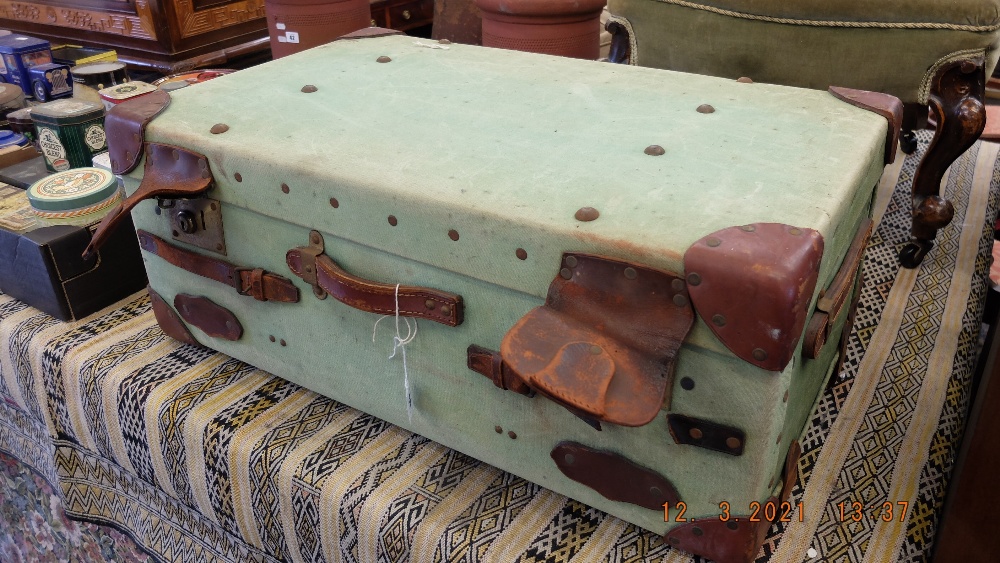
[504,148]
[879,46]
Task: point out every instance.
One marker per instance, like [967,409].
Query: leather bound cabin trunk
[629,285]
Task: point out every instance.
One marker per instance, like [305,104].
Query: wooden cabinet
[163,35]
[403,15]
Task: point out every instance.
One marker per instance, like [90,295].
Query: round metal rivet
[157,210]
[694,279]
[175,233]
[219,128]
[785,398]
[566,273]
[794,231]
[695,433]
[309,269]
[744,80]
[521,254]
[309,89]
[569,459]
[732,525]
[706,108]
[238,177]
[282,342]
[498,429]
[383,59]
[453,234]
[630,273]
[446,310]
[655,150]
[595,350]
[655,491]
[687,383]
[219,247]
[732,442]
[586,214]
[697,531]
[512,434]
[229,324]
[673,540]
[677,285]
[334,203]
[128,155]
[713,242]
[680,300]
[284,188]
[444,42]
[271,338]
[213,206]
[748,228]
[718,320]
[393,221]
[429,303]
[759,354]
[571,261]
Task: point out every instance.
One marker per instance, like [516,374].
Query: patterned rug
[203,458]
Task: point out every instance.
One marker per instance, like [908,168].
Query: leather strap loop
[257,283]
[375,297]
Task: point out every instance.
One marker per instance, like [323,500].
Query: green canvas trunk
[581,245]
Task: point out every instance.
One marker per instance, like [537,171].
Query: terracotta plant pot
[297,25]
[570,28]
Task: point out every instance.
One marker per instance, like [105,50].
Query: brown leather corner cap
[885,105]
[752,286]
[126,125]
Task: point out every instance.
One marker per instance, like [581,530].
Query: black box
[43,266]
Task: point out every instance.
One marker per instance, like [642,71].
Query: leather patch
[885,105]
[489,363]
[736,540]
[752,285]
[369,32]
[705,434]
[170,172]
[126,124]
[169,321]
[605,343]
[212,318]
[613,476]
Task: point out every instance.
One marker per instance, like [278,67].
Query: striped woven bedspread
[200,457]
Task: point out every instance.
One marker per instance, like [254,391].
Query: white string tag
[399,343]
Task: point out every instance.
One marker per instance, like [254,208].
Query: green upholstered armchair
[925,52]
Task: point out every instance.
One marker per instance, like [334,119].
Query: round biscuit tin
[93,77]
[81,196]
[12,139]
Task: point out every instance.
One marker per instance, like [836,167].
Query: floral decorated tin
[82,196]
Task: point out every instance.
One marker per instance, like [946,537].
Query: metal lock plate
[197,222]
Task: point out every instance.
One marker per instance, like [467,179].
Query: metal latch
[196,221]
[309,255]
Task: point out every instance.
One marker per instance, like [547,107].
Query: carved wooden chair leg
[956,98]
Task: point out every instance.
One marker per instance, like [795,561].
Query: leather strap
[375,297]
[126,124]
[255,282]
[170,172]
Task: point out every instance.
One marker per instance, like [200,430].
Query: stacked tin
[114,95]
[11,99]
[69,133]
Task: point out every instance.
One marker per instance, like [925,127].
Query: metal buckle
[309,255]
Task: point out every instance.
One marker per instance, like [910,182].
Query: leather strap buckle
[250,281]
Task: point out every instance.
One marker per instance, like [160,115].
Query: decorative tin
[70,133]
[91,78]
[12,139]
[20,122]
[81,196]
[552,27]
[114,95]
[11,99]
[192,77]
